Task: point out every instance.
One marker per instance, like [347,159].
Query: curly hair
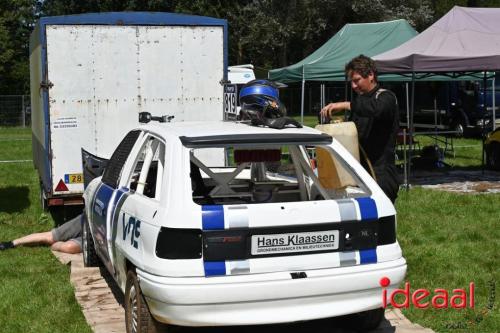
[363,65]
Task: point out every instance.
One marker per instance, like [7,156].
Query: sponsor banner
[295,242]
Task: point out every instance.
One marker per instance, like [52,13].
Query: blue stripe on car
[213,268]
[368,209]
[212,217]
[104,194]
[121,191]
[368,256]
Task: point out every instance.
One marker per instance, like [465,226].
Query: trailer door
[104,75]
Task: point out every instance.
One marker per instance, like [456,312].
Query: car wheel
[459,127]
[493,156]
[367,320]
[90,258]
[138,319]
[459,123]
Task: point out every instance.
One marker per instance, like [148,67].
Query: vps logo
[132,229]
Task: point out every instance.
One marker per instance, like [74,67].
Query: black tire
[138,319]
[459,124]
[90,258]
[367,320]
[493,156]
[44,203]
[459,127]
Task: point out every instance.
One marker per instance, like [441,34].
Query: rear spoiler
[93,167]
[255,139]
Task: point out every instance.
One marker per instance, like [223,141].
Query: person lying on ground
[66,238]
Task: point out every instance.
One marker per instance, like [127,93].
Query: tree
[16,22]
[417,12]
[441,7]
[266,33]
[67,7]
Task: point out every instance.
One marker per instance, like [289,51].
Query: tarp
[327,63]
[465,39]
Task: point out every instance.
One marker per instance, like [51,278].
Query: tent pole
[321,96]
[345,87]
[405,134]
[324,97]
[302,98]
[412,112]
[407,107]
[435,120]
[485,109]
[494,101]
[345,94]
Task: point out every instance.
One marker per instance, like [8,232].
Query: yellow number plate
[73,178]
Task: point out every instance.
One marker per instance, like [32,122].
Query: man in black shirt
[375,112]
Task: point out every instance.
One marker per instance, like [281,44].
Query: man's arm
[333,108]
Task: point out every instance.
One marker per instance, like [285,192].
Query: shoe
[6,245]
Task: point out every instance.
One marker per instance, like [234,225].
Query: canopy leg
[411,129]
[302,102]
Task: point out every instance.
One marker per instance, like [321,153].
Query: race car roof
[219,133]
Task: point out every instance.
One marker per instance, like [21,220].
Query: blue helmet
[260,99]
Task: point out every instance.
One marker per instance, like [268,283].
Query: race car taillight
[219,245]
[179,243]
[386,230]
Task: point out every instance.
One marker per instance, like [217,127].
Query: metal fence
[15,110]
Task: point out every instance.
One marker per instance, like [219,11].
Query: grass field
[448,239]
[35,292]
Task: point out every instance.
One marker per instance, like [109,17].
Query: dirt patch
[459,181]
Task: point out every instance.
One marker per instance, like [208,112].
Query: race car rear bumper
[268,298]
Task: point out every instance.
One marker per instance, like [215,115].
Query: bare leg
[35,239]
[66,247]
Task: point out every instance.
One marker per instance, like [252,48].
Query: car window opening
[288,173]
[146,178]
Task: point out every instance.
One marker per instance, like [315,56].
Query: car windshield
[267,174]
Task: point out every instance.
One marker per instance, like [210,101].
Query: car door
[135,224]
[108,194]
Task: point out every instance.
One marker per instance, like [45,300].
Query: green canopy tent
[327,63]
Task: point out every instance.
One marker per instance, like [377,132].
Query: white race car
[223,223]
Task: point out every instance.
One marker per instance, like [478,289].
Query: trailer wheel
[44,203]
[90,258]
[138,319]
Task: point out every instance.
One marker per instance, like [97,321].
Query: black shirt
[376,116]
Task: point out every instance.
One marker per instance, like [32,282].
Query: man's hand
[333,108]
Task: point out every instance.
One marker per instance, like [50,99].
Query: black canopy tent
[464,41]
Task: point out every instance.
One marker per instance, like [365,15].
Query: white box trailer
[92,74]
